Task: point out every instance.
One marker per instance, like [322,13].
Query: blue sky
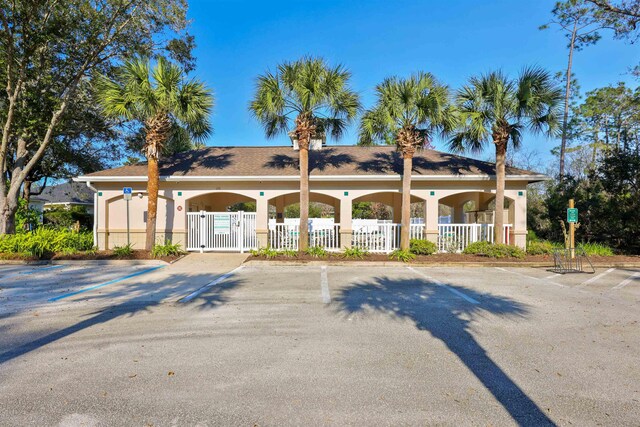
[238,40]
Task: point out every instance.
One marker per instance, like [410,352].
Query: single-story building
[197,189]
[65,195]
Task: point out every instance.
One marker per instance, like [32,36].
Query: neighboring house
[67,195]
[198,187]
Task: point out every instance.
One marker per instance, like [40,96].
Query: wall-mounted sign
[221,224]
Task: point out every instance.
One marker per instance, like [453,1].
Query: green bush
[46,241]
[354,253]
[422,247]
[124,250]
[400,255]
[289,253]
[265,252]
[540,247]
[595,249]
[26,217]
[68,216]
[168,249]
[494,250]
[316,251]
[477,248]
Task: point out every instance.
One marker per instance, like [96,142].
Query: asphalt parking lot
[193,344]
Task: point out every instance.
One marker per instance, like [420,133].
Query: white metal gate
[221,231]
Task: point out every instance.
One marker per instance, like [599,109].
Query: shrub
[477,248]
[540,247]
[400,255]
[68,216]
[289,253]
[354,253]
[595,249]
[265,252]
[422,247]
[493,250]
[46,241]
[168,249]
[316,251]
[124,250]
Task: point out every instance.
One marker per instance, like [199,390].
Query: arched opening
[472,207]
[221,202]
[287,207]
[387,206]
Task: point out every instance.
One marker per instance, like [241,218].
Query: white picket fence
[285,236]
[221,231]
[456,237]
[377,238]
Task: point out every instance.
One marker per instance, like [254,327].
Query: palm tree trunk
[153,174]
[303,243]
[498,216]
[567,94]
[405,224]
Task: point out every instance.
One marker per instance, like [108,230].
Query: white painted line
[545,281]
[449,288]
[626,281]
[594,278]
[324,285]
[552,276]
[199,291]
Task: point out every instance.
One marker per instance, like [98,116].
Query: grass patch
[596,249]
[403,256]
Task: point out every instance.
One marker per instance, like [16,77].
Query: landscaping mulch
[452,259]
[85,256]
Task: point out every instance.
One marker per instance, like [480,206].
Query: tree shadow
[435,309]
[204,158]
[319,160]
[391,162]
[132,299]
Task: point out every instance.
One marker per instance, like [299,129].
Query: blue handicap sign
[126,190]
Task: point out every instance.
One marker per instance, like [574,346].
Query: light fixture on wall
[139,195]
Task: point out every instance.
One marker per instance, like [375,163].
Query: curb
[88,262]
[253,263]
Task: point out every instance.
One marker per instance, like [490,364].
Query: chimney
[316,143]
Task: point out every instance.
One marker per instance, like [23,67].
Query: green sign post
[572,215]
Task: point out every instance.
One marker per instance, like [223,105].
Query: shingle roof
[332,160]
[70,192]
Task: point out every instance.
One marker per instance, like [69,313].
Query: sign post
[572,218]
[126,193]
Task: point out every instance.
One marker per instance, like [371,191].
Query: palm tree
[408,112]
[168,106]
[496,109]
[312,99]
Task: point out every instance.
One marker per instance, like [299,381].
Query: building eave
[319,178]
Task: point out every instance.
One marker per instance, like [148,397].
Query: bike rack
[565,263]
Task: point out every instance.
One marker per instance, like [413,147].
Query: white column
[262,221]
[431,219]
[346,232]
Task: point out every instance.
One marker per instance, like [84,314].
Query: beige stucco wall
[176,196]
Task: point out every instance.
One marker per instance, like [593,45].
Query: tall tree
[312,99]
[408,112]
[48,49]
[496,109]
[163,101]
[575,19]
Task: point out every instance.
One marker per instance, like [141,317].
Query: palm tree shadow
[319,160]
[134,299]
[434,308]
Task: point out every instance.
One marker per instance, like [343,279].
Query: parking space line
[26,273]
[593,279]
[449,288]
[545,281]
[626,281]
[324,285]
[199,291]
[552,276]
[100,285]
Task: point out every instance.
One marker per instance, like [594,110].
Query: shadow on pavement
[135,298]
[430,308]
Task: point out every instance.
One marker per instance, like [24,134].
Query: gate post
[203,231]
[241,231]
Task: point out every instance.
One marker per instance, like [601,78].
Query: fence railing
[377,238]
[285,236]
[382,238]
[456,237]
